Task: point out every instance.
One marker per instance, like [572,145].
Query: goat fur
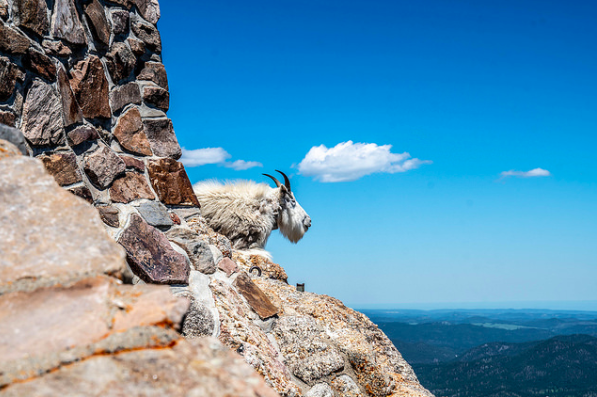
[246,212]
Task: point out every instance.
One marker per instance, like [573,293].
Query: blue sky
[471,96]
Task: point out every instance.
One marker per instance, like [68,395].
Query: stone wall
[85,84]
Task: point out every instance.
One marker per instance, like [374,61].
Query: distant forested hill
[563,366]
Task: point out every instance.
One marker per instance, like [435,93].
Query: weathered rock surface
[149,9]
[7,149]
[156,96]
[66,23]
[91,87]
[103,166]
[82,192]
[120,61]
[255,296]
[130,133]
[154,213]
[7,118]
[120,21]
[11,41]
[162,138]
[47,235]
[40,64]
[228,266]
[320,390]
[9,73]
[70,108]
[171,183]
[193,368]
[198,250]
[42,115]
[156,72]
[14,136]
[82,134]
[109,215]
[99,22]
[147,33]
[32,14]
[132,186]
[125,95]
[150,255]
[63,167]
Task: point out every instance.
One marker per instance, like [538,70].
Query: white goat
[246,212]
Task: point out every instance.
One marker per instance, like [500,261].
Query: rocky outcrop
[80,308]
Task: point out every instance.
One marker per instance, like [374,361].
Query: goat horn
[278,184]
[286,180]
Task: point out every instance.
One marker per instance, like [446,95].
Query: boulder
[150,255]
[48,236]
[42,115]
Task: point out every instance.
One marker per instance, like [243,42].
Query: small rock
[149,9]
[91,87]
[154,213]
[147,32]
[12,41]
[40,64]
[132,186]
[320,390]
[120,21]
[124,95]
[82,192]
[130,133]
[137,46]
[156,96]
[228,266]
[31,14]
[42,115]
[120,61]
[56,48]
[346,387]
[63,167]
[150,255]
[47,235]
[156,72]
[66,22]
[71,111]
[99,22]
[258,301]
[171,183]
[103,166]
[109,215]
[162,138]
[9,73]
[175,218]
[132,162]
[82,134]
[7,118]
[199,321]
[3,9]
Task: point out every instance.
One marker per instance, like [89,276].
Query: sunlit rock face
[104,212]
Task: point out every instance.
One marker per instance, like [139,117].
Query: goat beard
[290,226]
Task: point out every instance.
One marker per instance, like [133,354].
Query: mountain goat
[246,212]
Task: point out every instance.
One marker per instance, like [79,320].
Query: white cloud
[214,155]
[240,165]
[348,161]
[526,174]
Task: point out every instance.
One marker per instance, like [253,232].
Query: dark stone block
[132,162]
[42,115]
[32,14]
[130,133]
[63,167]
[83,192]
[120,61]
[156,96]
[9,73]
[171,183]
[132,186]
[125,95]
[71,111]
[162,138]
[109,215]
[148,33]
[12,41]
[90,85]
[151,256]
[256,298]
[40,64]
[82,134]
[103,166]
[99,22]
[156,72]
